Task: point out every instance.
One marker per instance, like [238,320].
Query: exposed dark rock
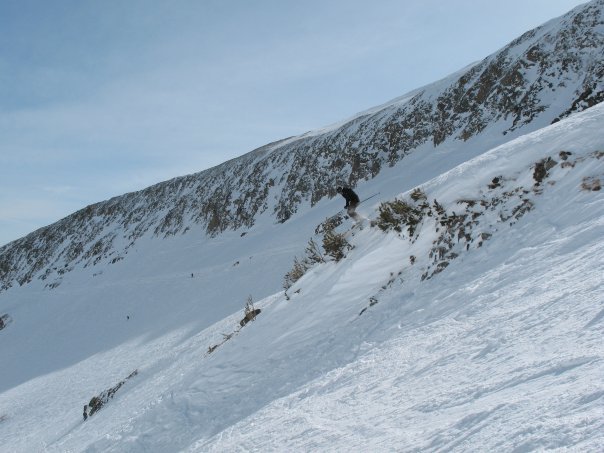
[542,168]
[97,402]
[496,182]
[5,320]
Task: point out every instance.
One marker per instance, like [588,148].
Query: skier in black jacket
[352,201]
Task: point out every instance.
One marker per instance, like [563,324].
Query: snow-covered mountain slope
[476,327]
[546,74]
[388,349]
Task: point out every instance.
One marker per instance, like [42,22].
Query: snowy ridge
[501,350]
[545,75]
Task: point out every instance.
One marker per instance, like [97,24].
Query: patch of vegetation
[335,245]
[297,271]
[313,253]
[591,184]
[542,168]
[250,312]
[330,224]
[419,195]
[399,214]
[5,320]
[312,256]
[97,402]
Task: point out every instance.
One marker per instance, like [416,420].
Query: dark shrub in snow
[335,245]
[97,402]
[5,320]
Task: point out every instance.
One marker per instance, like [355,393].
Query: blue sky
[100,98]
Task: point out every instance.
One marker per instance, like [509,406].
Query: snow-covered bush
[298,269]
[313,253]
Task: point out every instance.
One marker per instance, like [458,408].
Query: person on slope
[352,201]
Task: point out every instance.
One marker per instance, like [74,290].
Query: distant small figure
[85,412]
[191,274]
[352,201]
[128,317]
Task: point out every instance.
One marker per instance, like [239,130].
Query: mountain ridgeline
[543,76]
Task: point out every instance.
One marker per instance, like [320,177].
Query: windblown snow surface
[389,349]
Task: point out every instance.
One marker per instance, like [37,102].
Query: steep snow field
[501,350]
